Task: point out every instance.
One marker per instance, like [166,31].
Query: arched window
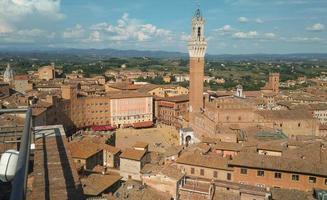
[199,32]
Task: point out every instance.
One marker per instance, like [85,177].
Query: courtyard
[158,138]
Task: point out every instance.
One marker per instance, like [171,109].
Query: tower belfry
[197,48]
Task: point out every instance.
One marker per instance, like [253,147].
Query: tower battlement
[197,45]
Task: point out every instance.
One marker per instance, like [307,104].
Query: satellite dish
[8,165]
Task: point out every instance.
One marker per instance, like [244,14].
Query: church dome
[8,75]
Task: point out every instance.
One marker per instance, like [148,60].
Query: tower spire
[198,13]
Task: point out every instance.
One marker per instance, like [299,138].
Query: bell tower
[197,48]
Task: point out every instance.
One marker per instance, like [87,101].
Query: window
[260,173]
[215,174]
[312,179]
[295,177]
[192,170]
[229,176]
[278,175]
[326,181]
[299,125]
[244,171]
[202,172]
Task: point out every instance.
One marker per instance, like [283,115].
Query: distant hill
[108,53]
[100,53]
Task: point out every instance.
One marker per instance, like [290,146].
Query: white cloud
[305,39]
[27,36]
[316,27]
[254,35]
[270,35]
[31,32]
[185,37]
[245,35]
[131,29]
[19,9]
[16,11]
[259,21]
[226,28]
[95,36]
[75,33]
[243,20]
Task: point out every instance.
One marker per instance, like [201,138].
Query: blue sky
[232,26]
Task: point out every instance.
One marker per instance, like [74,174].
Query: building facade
[116,109]
[273,84]
[22,83]
[169,110]
[46,73]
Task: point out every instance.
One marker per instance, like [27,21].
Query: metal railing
[19,183]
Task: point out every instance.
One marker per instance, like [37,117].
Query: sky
[232,26]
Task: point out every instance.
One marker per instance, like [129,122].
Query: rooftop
[133,154]
[142,145]
[285,114]
[127,94]
[229,146]
[178,98]
[166,170]
[54,173]
[83,149]
[280,163]
[195,158]
[95,184]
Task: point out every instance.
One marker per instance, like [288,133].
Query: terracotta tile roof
[148,88]
[101,143]
[83,149]
[134,191]
[124,94]
[319,106]
[282,194]
[166,170]
[54,171]
[195,158]
[273,146]
[111,149]
[21,77]
[124,86]
[285,114]
[280,163]
[178,98]
[253,93]
[38,111]
[228,146]
[173,150]
[142,124]
[95,184]
[140,145]
[133,154]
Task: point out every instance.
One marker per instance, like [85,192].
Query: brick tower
[197,48]
[274,82]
